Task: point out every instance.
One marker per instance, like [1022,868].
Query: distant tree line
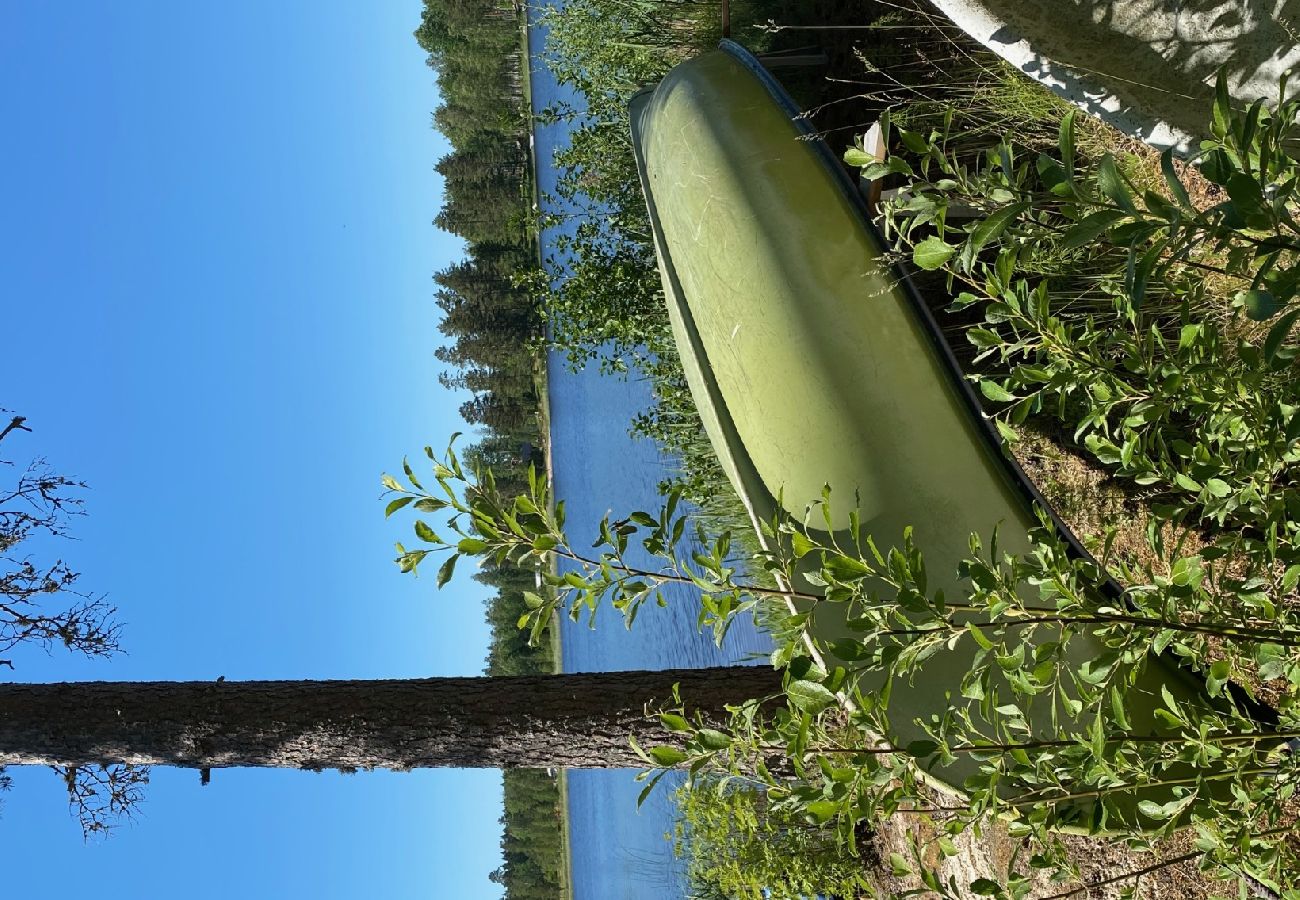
[493,325]
[531,841]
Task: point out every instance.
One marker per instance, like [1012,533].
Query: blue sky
[215,253]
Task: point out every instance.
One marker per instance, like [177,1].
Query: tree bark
[574,721]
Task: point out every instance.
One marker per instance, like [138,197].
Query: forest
[492,344]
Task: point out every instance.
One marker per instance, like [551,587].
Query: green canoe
[813,362]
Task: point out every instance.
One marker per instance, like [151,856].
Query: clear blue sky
[215,253]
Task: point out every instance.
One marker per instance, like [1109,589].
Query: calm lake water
[619,853]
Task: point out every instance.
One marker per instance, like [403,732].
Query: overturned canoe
[813,362]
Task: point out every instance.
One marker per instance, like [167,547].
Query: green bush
[737,847]
[1156,331]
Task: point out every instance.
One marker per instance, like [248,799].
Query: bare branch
[102,797]
[41,502]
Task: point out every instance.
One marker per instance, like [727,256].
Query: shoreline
[541,381]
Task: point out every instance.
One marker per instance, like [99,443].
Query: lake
[618,851]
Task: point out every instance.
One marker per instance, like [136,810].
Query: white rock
[1146,67]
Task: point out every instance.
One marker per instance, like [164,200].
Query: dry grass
[1089,499]
[1106,867]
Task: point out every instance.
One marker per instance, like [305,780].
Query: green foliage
[1114,303]
[527,531]
[1110,301]
[738,847]
[606,303]
[531,846]
[1130,315]
[1049,725]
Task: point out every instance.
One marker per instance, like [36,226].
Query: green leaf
[425,533]
[674,722]
[1065,142]
[1152,810]
[472,546]
[1217,487]
[1221,124]
[1111,183]
[996,392]
[1187,483]
[992,227]
[390,482]
[932,253]
[395,505]
[1174,182]
[1278,334]
[645,791]
[922,749]
[1293,427]
[851,650]
[800,544]
[898,864]
[1090,228]
[1217,677]
[983,337]
[821,811]
[410,561]
[857,157]
[1117,708]
[446,569]
[846,568]
[712,739]
[1260,305]
[1218,167]
[1054,177]
[980,637]
[809,696]
[410,475]
[985,887]
[666,756]
[913,141]
[1139,272]
[1249,130]
[1248,198]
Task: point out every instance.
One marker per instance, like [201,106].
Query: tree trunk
[575,721]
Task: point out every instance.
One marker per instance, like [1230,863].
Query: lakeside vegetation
[1120,312]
